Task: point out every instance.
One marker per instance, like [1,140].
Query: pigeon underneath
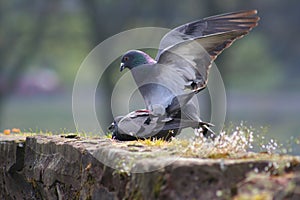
[137,125]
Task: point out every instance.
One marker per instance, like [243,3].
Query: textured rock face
[54,167]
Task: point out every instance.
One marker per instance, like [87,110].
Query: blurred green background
[42,44]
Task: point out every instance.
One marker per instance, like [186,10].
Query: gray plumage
[181,67]
[137,125]
[184,58]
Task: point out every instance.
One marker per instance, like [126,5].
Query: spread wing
[241,20]
[192,47]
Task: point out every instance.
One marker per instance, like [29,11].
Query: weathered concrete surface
[54,167]
[263,186]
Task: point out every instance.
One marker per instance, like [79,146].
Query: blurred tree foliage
[257,71]
[59,34]
[21,35]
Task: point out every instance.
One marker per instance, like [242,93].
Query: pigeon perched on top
[180,69]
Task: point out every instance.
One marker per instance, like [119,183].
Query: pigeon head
[113,128]
[134,58]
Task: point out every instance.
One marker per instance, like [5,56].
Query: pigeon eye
[126,58]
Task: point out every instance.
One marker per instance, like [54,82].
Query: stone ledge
[55,167]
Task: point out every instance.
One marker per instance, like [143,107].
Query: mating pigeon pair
[180,70]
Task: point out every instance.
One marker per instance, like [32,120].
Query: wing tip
[244,12]
[240,13]
[252,12]
[238,20]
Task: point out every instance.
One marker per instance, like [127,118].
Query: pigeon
[169,83]
[136,125]
[183,61]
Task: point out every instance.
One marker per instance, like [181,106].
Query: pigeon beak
[111,127]
[122,67]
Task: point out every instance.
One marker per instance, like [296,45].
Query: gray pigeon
[137,125]
[180,69]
